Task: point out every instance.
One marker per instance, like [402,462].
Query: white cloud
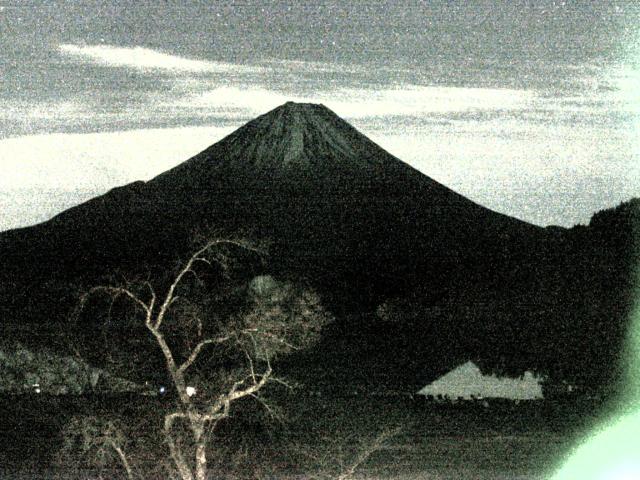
[27,114]
[98,160]
[412,100]
[545,174]
[406,100]
[306,66]
[56,110]
[42,175]
[28,206]
[233,99]
[146,59]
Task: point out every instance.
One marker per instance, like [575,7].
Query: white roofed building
[468,382]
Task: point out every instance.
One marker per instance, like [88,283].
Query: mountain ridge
[355,222]
[332,196]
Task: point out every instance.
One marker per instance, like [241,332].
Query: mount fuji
[345,216]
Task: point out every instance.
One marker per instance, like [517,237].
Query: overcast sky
[531,108]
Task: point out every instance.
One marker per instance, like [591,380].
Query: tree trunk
[124,460]
[178,459]
[201,461]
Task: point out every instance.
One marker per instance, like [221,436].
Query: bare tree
[349,469]
[101,440]
[278,319]
[342,458]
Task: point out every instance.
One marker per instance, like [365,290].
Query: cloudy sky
[531,108]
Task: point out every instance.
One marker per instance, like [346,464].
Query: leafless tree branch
[116,292]
[196,413]
[198,348]
[197,256]
[366,452]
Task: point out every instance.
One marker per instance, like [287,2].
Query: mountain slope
[329,199]
[338,211]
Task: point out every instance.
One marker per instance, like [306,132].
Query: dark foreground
[318,437]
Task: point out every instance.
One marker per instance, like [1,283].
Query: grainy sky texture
[531,108]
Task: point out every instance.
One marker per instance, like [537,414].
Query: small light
[191,391]
[162,389]
[37,389]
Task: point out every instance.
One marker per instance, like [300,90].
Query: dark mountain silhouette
[351,219]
